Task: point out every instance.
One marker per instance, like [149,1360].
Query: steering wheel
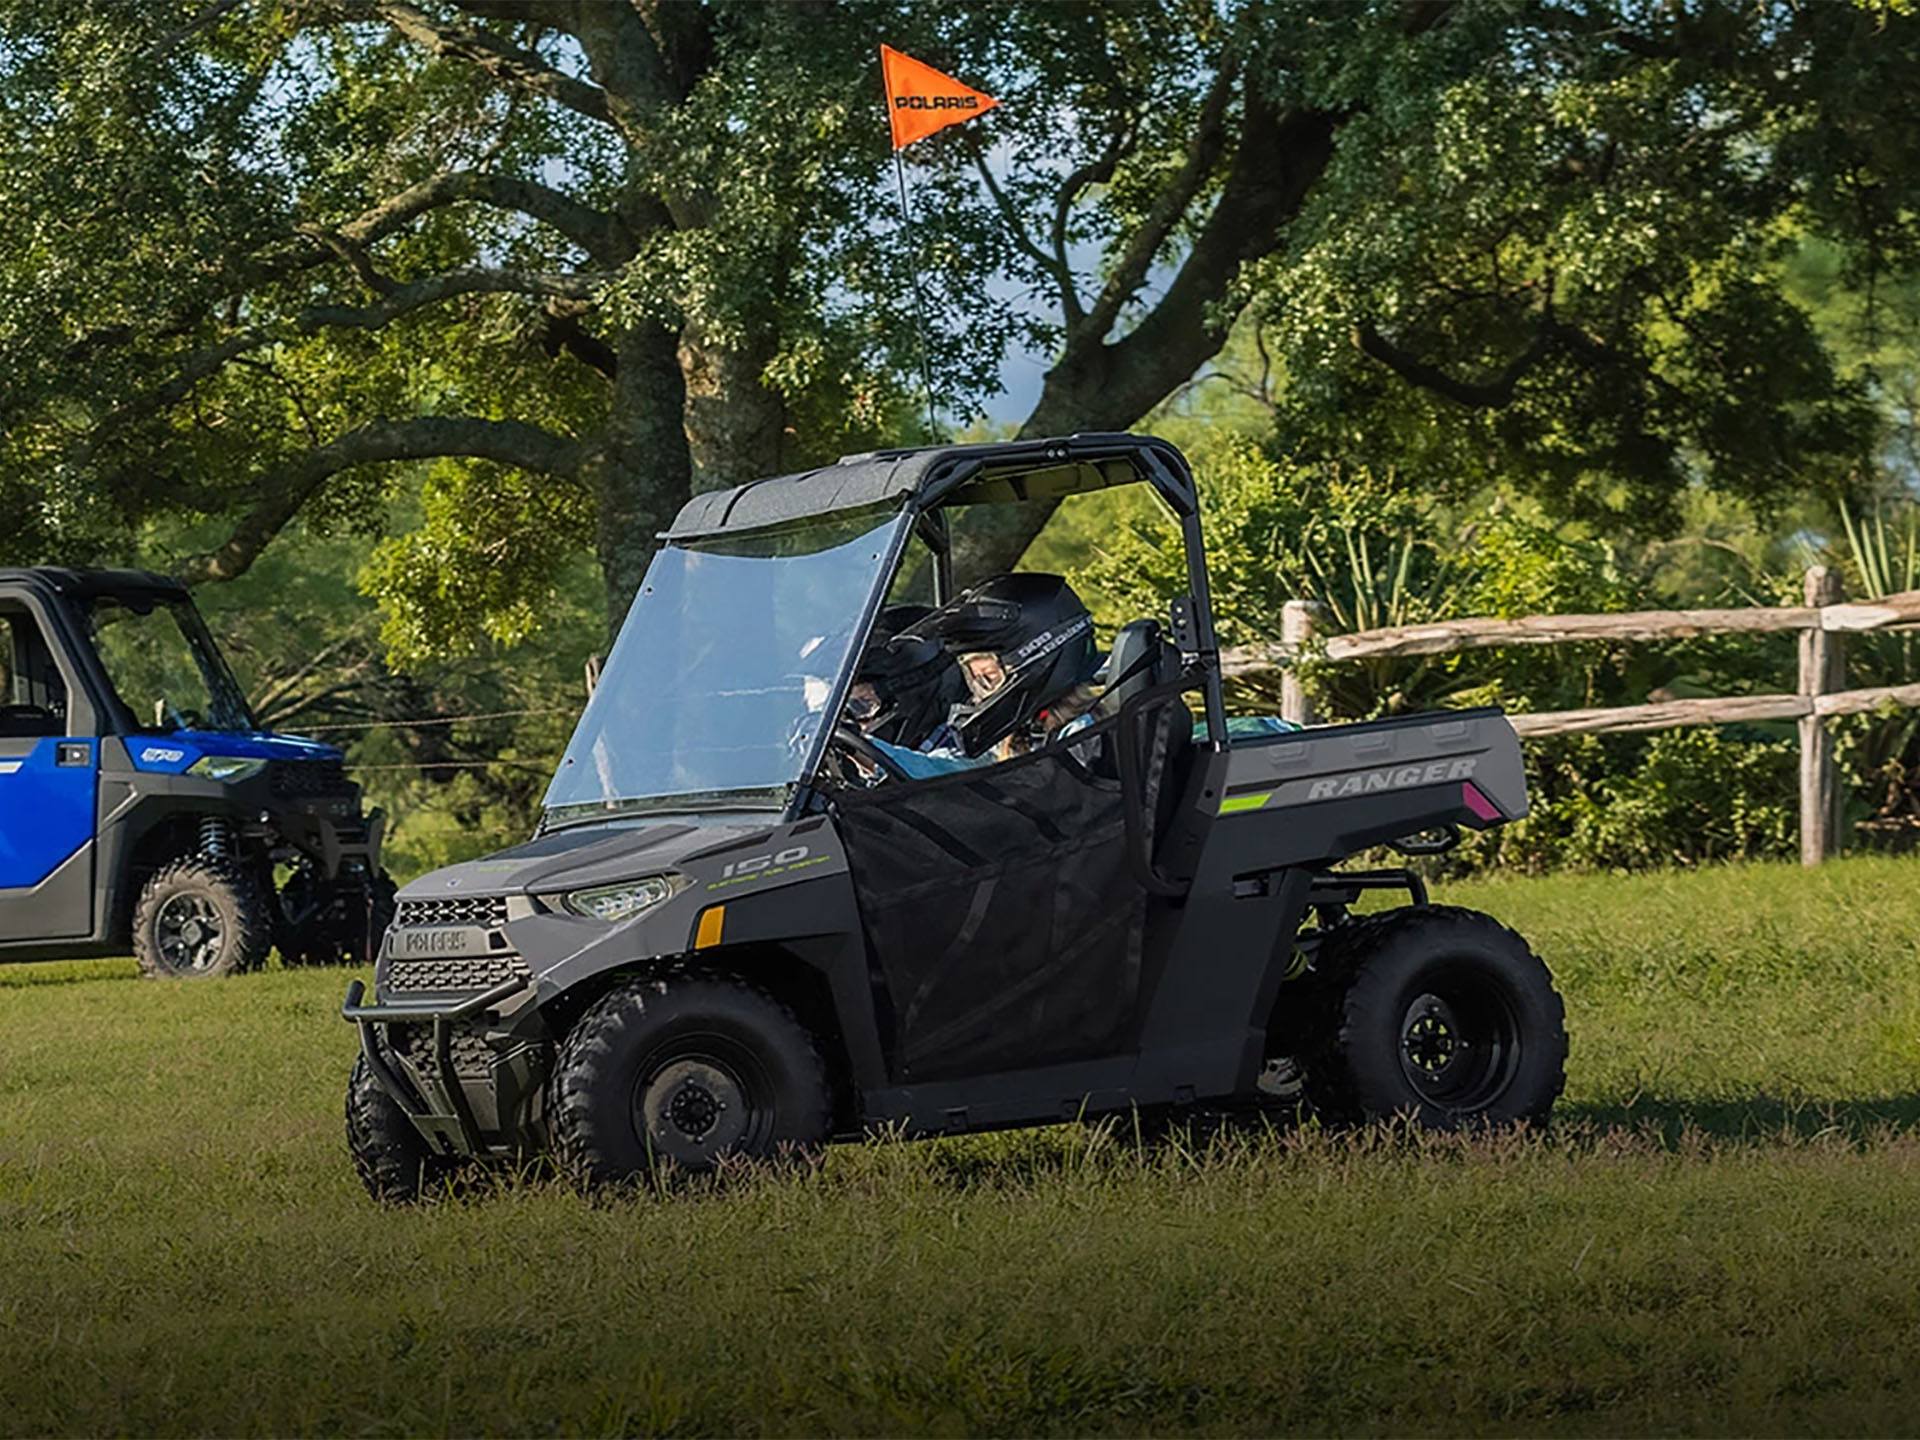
[850,739]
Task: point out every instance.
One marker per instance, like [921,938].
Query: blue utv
[143,808]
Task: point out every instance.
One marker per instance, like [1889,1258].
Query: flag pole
[919,294]
[928,101]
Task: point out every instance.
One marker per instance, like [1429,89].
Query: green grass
[1720,1235]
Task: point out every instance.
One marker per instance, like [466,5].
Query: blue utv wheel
[200,917]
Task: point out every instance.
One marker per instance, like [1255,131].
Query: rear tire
[687,1073]
[200,917]
[1441,1014]
[344,929]
[389,1154]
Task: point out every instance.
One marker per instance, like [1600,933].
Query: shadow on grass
[1758,1118]
[1644,1126]
[1117,1148]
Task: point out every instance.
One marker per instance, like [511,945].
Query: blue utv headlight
[226,767]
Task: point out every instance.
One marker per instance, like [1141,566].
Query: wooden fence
[1822,622]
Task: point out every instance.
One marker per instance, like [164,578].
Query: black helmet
[916,681]
[1040,633]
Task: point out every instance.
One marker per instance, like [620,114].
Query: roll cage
[931,481]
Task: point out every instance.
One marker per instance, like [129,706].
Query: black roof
[68,581]
[942,474]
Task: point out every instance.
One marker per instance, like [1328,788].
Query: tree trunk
[643,475]
[1073,399]
[735,424]
[1113,384]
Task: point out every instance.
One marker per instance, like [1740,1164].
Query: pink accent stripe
[1479,804]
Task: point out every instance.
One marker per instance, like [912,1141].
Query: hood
[173,752]
[592,855]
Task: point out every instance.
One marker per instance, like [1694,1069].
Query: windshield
[163,665]
[723,671]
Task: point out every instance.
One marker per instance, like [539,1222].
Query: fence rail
[1821,622]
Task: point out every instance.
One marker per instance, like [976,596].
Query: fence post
[1296,632]
[1821,670]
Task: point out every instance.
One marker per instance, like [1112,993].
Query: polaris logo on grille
[432,942]
[1397,777]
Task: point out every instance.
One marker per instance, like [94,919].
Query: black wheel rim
[701,1098]
[189,934]
[1460,1040]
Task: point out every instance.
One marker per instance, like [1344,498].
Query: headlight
[225,767]
[619,902]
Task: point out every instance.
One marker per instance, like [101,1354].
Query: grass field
[1721,1234]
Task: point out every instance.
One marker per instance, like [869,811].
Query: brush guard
[440,1110]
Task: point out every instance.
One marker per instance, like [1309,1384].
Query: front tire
[1442,1014]
[200,917]
[389,1154]
[685,1072]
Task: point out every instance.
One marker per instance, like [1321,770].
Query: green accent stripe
[1234,804]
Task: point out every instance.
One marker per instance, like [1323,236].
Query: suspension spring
[216,838]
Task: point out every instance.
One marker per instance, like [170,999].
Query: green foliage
[1544,264]
[1591,307]
[307,645]
[1370,551]
[1677,798]
[484,564]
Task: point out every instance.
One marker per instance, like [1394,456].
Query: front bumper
[437,1103]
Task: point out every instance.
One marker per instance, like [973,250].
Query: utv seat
[1140,660]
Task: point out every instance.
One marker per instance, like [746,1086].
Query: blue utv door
[47,800]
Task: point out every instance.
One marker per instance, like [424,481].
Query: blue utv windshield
[723,671]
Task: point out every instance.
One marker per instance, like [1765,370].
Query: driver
[903,690]
[1026,651]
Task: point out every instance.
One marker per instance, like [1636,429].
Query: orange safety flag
[920,100]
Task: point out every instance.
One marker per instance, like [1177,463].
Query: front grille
[468,1049]
[488,910]
[292,778]
[453,973]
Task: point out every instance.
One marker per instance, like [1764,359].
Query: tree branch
[503,61]
[283,490]
[544,13]
[597,232]
[1136,257]
[1484,395]
[404,299]
[397,302]
[210,15]
[355,254]
[600,234]
[563,331]
[1054,266]
[1103,384]
[1097,171]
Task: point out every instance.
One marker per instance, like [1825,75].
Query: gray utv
[742,930]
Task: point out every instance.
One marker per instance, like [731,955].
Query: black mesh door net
[1003,917]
